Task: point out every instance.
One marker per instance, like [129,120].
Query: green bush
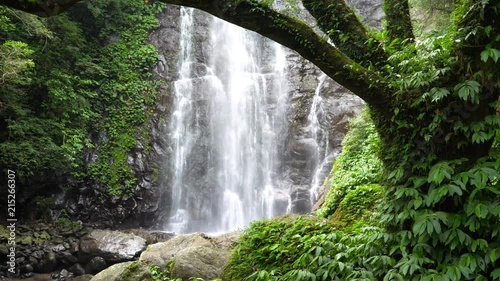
[357,165]
[273,245]
[306,248]
[357,204]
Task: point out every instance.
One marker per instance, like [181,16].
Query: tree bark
[347,32]
[398,21]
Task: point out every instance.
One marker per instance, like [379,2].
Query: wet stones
[95,265]
[69,250]
[113,246]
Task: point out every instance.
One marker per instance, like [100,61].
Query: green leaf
[461,236]
[439,172]
[490,53]
[494,254]
[453,189]
[438,94]
[418,202]
[430,227]
[481,210]
[485,55]
[480,137]
[468,90]
[437,226]
[496,274]
[419,227]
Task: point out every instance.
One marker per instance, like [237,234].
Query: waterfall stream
[232,117]
[249,131]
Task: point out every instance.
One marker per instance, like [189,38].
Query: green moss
[156,173]
[43,203]
[4,233]
[357,204]
[26,240]
[357,165]
[273,245]
[136,271]
[127,91]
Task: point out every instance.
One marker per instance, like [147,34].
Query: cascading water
[227,132]
[321,136]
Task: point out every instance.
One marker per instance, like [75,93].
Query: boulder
[77,269]
[126,271]
[47,264]
[86,277]
[113,246]
[95,265]
[160,253]
[112,273]
[193,255]
[200,261]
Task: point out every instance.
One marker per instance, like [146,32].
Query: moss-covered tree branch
[347,32]
[398,20]
[300,37]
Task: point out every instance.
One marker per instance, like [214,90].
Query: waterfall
[321,136]
[226,131]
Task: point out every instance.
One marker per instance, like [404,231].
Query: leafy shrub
[273,245]
[357,204]
[357,165]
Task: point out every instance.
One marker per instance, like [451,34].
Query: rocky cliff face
[371,11]
[317,115]
[305,147]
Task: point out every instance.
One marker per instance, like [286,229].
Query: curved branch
[300,37]
[346,31]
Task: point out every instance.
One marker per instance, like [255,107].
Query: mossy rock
[357,204]
[26,240]
[126,271]
[4,250]
[4,233]
[357,165]
[192,255]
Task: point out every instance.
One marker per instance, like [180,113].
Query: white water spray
[233,121]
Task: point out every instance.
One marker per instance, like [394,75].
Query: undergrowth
[356,166]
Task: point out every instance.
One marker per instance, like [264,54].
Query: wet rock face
[371,11]
[113,246]
[310,150]
[151,198]
[70,249]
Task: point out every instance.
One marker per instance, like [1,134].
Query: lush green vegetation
[312,248]
[439,129]
[68,77]
[269,248]
[357,165]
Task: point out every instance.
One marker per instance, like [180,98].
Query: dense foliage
[307,247]
[268,249]
[66,78]
[358,165]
